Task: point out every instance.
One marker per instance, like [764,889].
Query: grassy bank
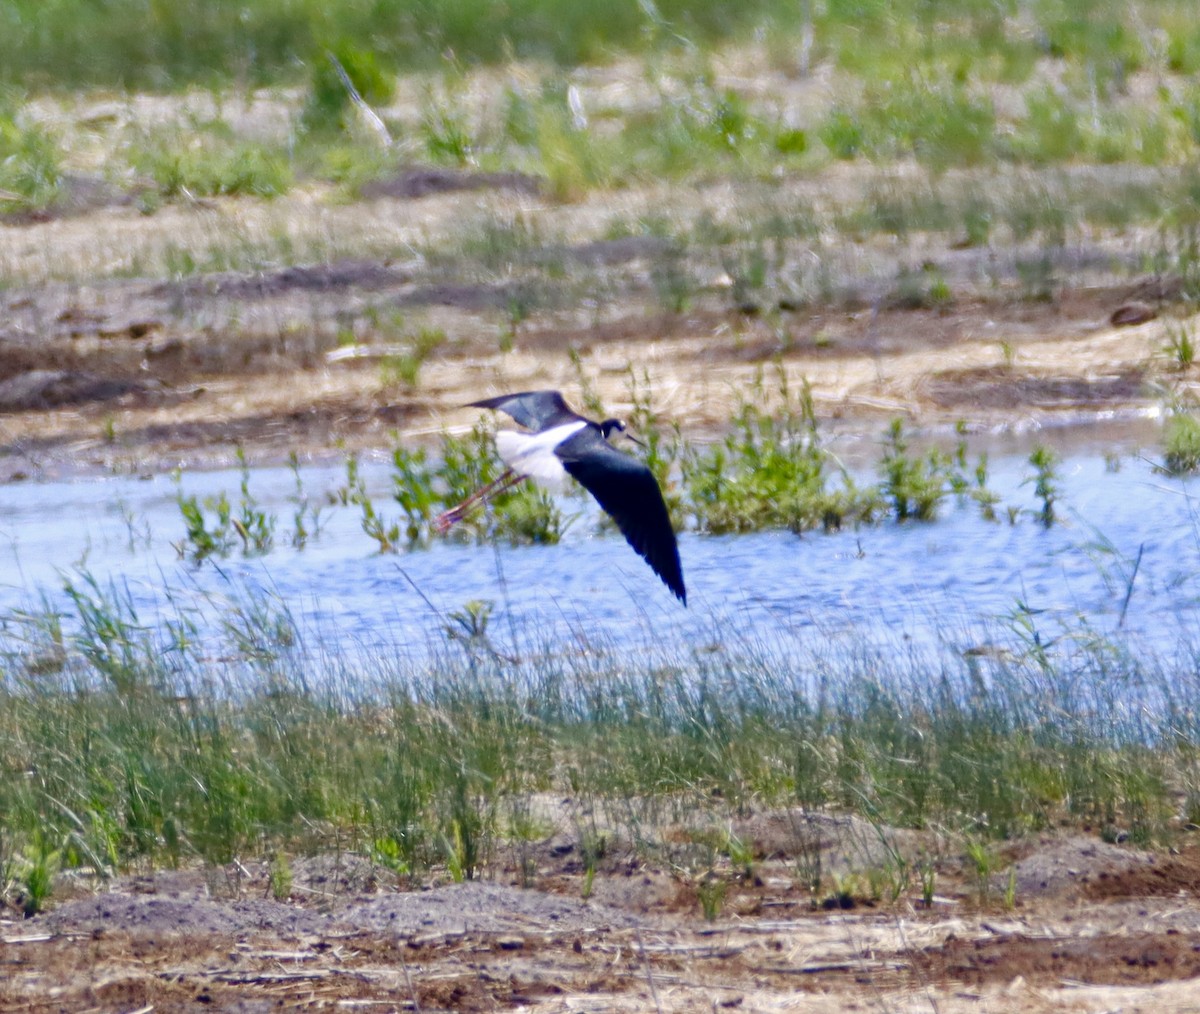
[125,746]
[704,90]
[135,45]
[131,44]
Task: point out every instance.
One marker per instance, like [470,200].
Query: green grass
[1181,443]
[1180,345]
[31,164]
[953,85]
[129,45]
[209,161]
[424,487]
[141,745]
[403,367]
[913,485]
[941,125]
[329,104]
[1045,482]
[213,529]
[771,471]
[692,130]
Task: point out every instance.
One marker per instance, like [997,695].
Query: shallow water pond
[955,581]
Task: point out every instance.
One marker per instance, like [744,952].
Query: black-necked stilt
[560,443]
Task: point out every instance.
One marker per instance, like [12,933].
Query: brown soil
[135,374]
[1100,927]
[106,380]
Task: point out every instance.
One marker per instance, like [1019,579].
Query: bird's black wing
[629,493]
[535,410]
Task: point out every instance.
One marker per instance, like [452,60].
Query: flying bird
[560,442]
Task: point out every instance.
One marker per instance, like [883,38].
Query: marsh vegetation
[771,471]
[133,744]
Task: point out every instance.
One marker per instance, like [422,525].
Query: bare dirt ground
[121,389]
[1077,925]
[128,373]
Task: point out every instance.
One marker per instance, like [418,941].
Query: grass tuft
[329,104]
[772,472]
[1181,444]
[31,165]
[210,162]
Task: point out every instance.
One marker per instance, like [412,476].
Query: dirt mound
[417,182]
[1138,959]
[78,194]
[43,389]
[845,844]
[1076,865]
[140,915]
[478,907]
[1156,877]
[338,275]
[341,874]
[472,907]
[995,387]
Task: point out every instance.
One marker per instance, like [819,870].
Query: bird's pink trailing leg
[447,519]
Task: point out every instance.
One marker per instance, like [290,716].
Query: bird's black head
[610,426]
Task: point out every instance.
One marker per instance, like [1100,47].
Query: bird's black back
[535,410]
[628,492]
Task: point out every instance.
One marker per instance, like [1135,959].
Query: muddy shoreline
[111,379]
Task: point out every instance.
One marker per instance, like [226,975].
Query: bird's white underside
[532,454]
